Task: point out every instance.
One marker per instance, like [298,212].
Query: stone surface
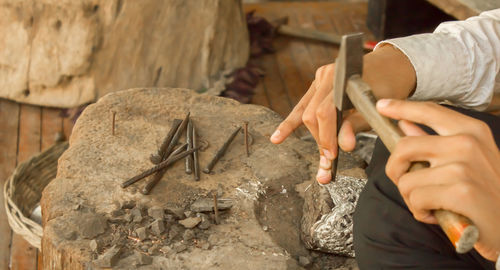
[96,163]
[141,233]
[68,53]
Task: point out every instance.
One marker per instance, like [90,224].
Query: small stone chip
[142,259]
[207,205]
[109,258]
[128,205]
[136,215]
[179,247]
[190,222]
[158,227]
[205,222]
[141,233]
[304,261]
[117,213]
[94,245]
[188,235]
[156,212]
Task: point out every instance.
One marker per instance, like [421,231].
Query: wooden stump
[67,53]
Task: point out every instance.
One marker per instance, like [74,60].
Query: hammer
[351,91]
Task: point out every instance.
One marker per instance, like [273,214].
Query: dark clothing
[386,236]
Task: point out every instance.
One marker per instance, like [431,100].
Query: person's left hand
[464,172]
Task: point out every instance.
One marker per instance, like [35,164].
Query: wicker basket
[23,190]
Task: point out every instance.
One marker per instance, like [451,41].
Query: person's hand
[464,172]
[316,110]
[387,71]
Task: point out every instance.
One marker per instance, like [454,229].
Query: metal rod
[245,129]
[113,124]
[216,209]
[159,174]
[156,168]
[176,137]
[221,152]
[189,140]
[156,158]
[196,163]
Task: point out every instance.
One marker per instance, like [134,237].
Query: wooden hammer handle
[459,229]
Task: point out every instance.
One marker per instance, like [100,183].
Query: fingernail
[328,154]
[324,163]
[383,103]
[275,135]
[323,176]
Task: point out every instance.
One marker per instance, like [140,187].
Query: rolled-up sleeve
[458,63]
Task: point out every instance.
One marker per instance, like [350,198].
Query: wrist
[389,73]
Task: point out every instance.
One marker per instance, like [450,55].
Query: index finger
[444,121]
[294,119]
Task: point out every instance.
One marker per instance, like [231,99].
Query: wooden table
[463,9]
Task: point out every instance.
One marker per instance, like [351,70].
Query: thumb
[351,125]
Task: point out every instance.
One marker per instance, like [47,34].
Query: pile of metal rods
[167,156]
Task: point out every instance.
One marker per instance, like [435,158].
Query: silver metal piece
[333,231]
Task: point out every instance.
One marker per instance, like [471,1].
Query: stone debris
[175,210]
[188,235]
[179,247]
[136,215]
[158,227]
[188,213]
[141,233]
[94,245]
[117,213]
[109,258]
[207,204]
[128,218]
[174,231]
[205,246]
[128,204]
[190,222]
[156,212]
[304,261]
[92,225]
[205,222]
[142,259]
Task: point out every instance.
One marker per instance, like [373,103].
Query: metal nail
[216,208]
[158,167]
[176,137]
[189,140]
[196,163]
[158,175]
[157,158]
[220,152]
[113,124]
[245,129]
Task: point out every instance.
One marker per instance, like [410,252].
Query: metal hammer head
[349,62]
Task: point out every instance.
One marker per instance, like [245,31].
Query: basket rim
[31,231]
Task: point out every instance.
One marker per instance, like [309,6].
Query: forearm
[389,72]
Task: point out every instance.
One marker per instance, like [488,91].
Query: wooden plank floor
[290,71]
[26,130]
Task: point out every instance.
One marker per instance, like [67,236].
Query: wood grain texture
[9,125]
[463,9]
[23,255]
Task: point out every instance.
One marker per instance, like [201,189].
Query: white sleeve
[459,62]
